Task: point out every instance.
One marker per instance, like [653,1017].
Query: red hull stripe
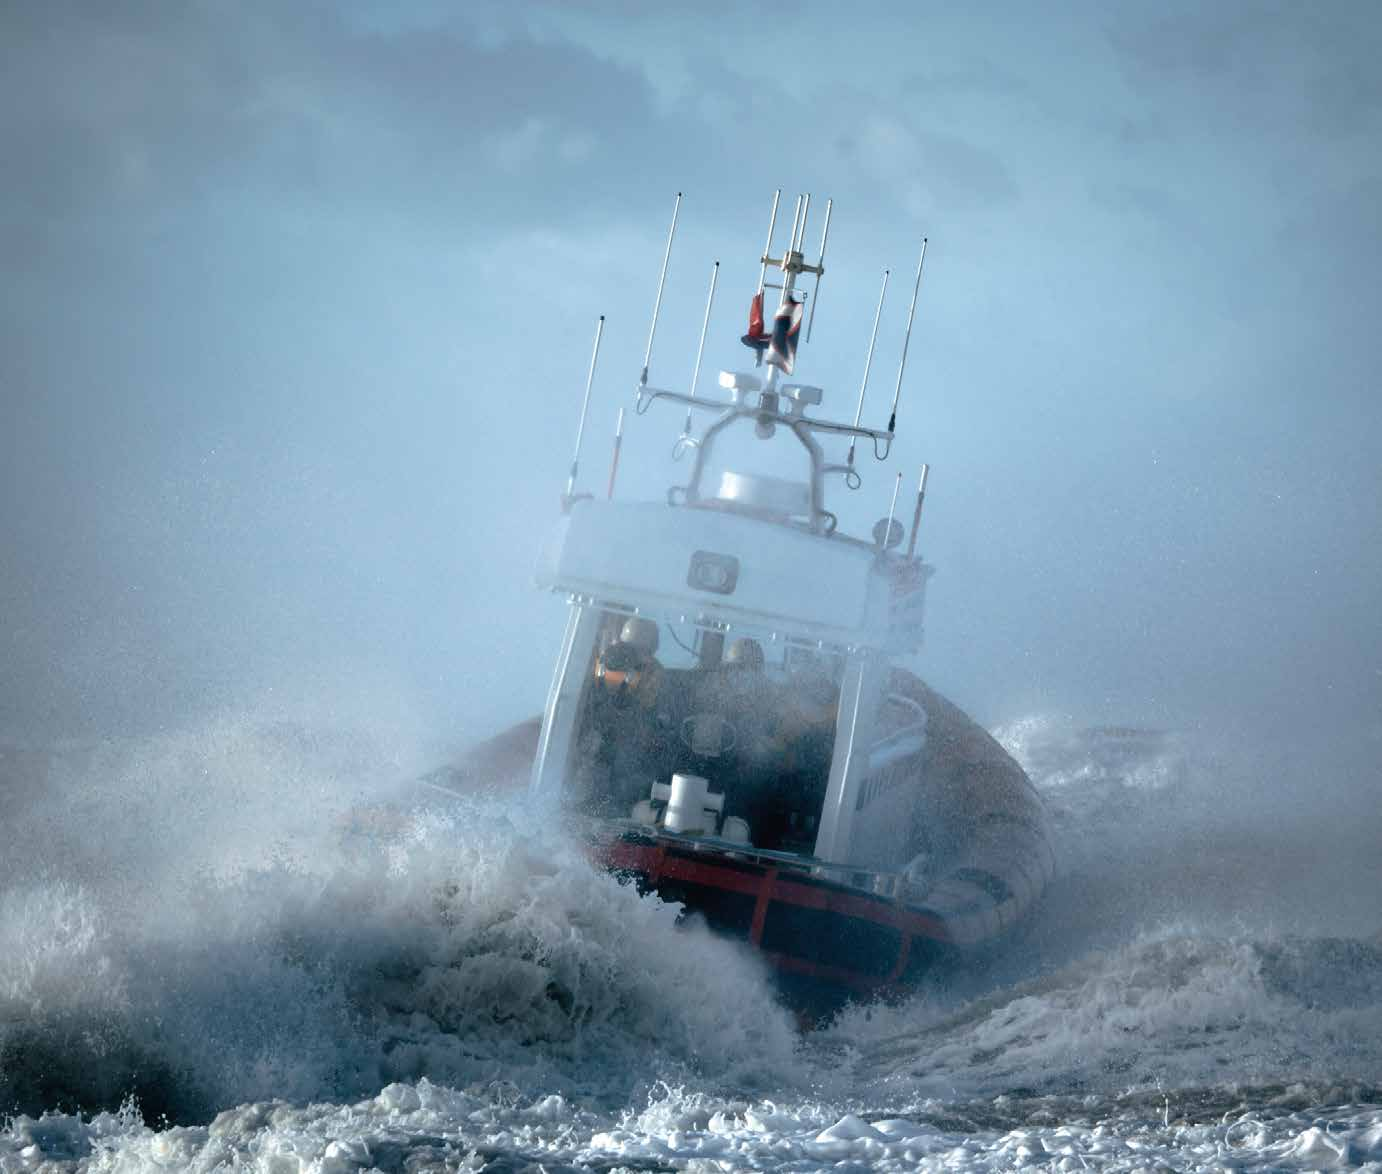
[766,884]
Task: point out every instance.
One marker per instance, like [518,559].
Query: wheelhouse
[725,671]
[692,666]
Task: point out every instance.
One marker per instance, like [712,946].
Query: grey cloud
[981,78]
[299,293]
[924,168]
[1184,41]
[1157,205]
[135,109]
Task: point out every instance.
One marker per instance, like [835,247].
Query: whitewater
[254,944]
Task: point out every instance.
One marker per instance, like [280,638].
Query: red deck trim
[767,883]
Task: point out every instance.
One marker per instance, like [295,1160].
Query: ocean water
[248,945]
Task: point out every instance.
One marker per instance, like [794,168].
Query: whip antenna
[907,338]
[700,350]
[820,270]
[916,514]
[887,532]
[657,305]
[614,456]
[585,408]
[768,248]
[868,362]
[791,242]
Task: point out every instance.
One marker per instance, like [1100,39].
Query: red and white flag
[757,337]
[782,349]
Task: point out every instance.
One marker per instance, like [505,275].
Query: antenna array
[767,401]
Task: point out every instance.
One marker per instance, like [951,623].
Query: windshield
[753,715]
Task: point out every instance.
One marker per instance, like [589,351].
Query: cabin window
[752,714]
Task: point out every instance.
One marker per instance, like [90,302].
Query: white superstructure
[741,555]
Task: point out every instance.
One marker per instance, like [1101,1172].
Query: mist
[299,300]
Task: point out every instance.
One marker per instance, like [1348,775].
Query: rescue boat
[731,722]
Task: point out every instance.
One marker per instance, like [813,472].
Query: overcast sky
[298,301]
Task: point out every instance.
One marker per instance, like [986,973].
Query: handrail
[894,748]
[802,427]
[649,394]
[907,703]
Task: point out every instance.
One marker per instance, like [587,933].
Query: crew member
[629,669]
[628,742]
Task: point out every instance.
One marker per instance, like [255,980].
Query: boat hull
[830,930]
[808,927]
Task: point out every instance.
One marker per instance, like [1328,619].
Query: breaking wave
[243,913]
[249,929]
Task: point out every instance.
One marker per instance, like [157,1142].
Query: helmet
[621,668]
[744,653]
[641,633]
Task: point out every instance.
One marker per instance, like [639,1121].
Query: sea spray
[244,912]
